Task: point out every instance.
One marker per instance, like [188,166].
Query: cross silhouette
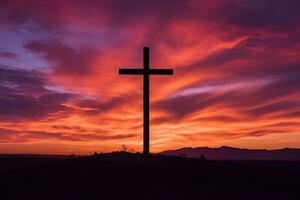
[146,72]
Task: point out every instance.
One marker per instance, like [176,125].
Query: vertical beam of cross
[146,72]
[146,99]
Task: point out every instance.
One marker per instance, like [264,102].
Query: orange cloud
[236,79]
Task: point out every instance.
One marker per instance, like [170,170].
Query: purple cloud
[65,59]
[9,55]
[23,96]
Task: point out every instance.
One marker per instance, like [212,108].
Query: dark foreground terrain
[131,176]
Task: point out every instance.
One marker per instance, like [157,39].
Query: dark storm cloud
[253,48]
[274,107]
[10,135]
[268,50]
[283,124]
[69,128]
[271,14]
[183,105]
[132,11]
[220,57]
[20,81]
[49,16]
[23,96]
[14,107]
[219,118]
[9,55]
[65,59]
[162,120]
[259,51]
[106,137]
[249,14]
[31,15]
[99,107]
[37,135]
[281,73]
[6,133]
[246,101]
[96,107]
[11,18]
[257,132]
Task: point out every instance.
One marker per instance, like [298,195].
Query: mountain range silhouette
[231,153]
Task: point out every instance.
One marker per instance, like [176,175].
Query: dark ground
[131,176]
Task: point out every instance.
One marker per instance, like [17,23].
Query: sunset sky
[236,75]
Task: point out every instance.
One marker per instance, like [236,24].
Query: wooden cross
[146,72]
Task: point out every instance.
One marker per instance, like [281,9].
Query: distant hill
[230,153]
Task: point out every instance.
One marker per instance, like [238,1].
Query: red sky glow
[236,81]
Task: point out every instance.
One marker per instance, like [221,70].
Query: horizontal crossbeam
[161,71]
[149,71]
